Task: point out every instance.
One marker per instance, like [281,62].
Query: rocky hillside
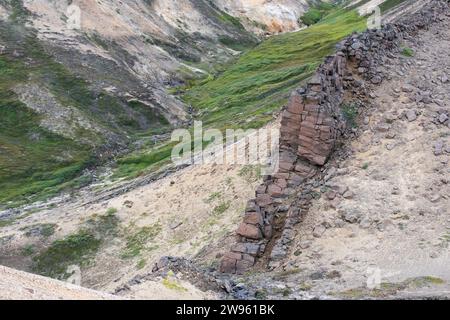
[362,191]
[84,81]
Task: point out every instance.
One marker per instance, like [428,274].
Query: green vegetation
[173,285]
[141,264]
[221,208]
[76,249]
[18,11]
[28,250]
[316,13]
[365,166]
[104,226]
[10,221]
[134,165]
[44,230]
[251,173]
[407,52]
[247,93]
[111,211]
[350,112]
[138,241]
[213,196]
[389,4]
[31,159]
[34,162]
[261,294]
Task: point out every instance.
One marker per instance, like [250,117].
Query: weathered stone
[376,80]
[407,88]
[261,189]
[312,123]
[411,115]
[252,206]
[252,249]
[383,127]
[228,265]
[295,105]
[351,216]
[282,183]
[243,266]
[341,189]
[268,231]
[233,255]
[348,194]
[305,244]
[249,231]
[264,200]
[330,195]
[274,190]
[439,148]
[254,218]
[385,225]
[442,118]
[319,231]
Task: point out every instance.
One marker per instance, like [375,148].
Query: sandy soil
[197,210]
[18,285]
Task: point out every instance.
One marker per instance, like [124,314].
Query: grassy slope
[247,93]
[31,158]
[389,4]
[34,162]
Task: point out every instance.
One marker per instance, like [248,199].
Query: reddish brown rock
[261,189]
[242,266]
[274,190]
[282,183]
[268,231]
[249,231]
[254,218]
[264,200]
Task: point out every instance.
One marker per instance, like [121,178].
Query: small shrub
[28,250]
[316,13]
[407,52]
[251,173]
[141,264]
[45,230]
[213,196]
[137,242]
[173,285]
[350,112]
[221,208]
[104,226]
[75,249]
[111,211]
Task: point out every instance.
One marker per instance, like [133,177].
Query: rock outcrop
[311,126]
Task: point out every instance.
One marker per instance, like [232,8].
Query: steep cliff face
[270,16]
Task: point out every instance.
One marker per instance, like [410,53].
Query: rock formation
[311,125]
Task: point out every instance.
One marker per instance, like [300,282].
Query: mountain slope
[73,98]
